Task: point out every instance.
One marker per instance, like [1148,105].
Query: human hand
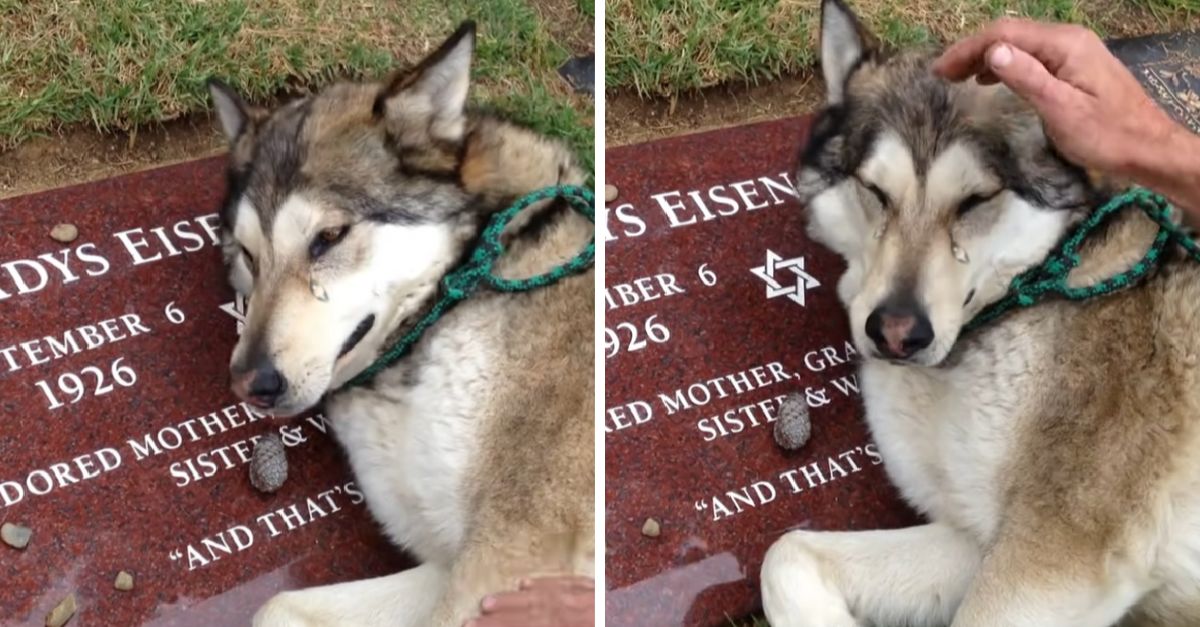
[545,602]
[1093,110]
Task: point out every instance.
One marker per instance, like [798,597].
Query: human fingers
[541,592]
[1028,78]
[1047,42]
[510,601]
[567,582]
[986,78]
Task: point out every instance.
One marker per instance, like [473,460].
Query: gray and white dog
[1056,451]
[476,451]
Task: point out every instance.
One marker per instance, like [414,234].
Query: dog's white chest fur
[946,435]
[411,441]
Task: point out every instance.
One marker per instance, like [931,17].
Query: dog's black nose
[261,386]
[900,331]
[268,385]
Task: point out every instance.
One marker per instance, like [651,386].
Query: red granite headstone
[717,306]
[122,447]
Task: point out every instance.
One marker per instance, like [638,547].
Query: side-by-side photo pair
[511,313]
[900,315]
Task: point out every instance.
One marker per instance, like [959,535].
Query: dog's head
[346,208]
[936,194]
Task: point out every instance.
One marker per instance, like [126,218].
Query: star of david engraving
[786,277]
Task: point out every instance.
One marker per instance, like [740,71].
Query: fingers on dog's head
[1049,43]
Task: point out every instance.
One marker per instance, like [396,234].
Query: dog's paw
[795,593]
[288,609]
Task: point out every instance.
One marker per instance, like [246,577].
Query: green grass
[118,64]
[1166,8]
[660,48]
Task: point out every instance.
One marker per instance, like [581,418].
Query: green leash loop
[462,282]
[1050,277]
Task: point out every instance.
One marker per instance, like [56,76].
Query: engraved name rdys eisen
[745,397]
[23,278]
[57,368]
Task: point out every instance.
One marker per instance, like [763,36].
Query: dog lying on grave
[1056,450]
[475,452]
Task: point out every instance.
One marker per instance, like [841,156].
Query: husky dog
[476,451]
[1056,451]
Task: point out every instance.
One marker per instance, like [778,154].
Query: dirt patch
[80,154]
[632,120]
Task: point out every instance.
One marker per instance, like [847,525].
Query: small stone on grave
[65,233]
[124,582]
[15,536]
[651,528]
[62,612]
[610,193]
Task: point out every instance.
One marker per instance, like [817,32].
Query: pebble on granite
[124,582]
[793,427]
[65,233]
[610,193]
[15,536]
[268,466]
[651,528]
[62,613]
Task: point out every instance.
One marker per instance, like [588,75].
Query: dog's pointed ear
[435,92]
[232,111]
[844,45]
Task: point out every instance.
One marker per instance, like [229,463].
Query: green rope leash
[1050,277]
[461,283]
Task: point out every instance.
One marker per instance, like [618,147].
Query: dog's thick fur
[1056,451]
[475,451]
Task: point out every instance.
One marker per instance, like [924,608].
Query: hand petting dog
[1093,109]
[546,602]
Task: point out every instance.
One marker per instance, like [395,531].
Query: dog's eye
[972,201]
[879,195]
[250,261]
[326,239]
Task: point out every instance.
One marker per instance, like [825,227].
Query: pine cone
[793,426]
[268,466]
